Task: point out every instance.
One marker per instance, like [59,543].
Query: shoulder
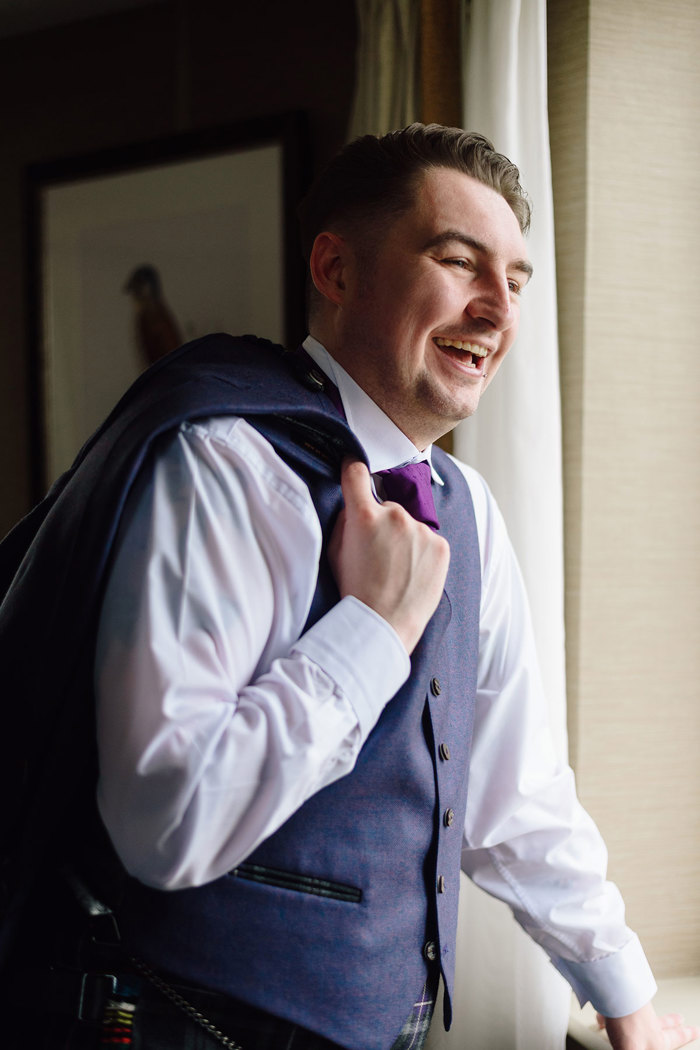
[482,497]
[232,453]
[494,542]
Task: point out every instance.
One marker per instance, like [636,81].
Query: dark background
[138,75]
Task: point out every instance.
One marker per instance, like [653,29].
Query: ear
[328,265]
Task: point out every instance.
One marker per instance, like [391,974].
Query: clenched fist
[381,555]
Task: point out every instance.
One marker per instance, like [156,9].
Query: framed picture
[136,250]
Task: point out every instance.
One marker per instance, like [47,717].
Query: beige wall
[624,103]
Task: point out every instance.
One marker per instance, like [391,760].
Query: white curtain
[508,996]
[515,437]
[386,82]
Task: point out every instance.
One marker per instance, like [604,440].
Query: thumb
[336,540]
[356,484]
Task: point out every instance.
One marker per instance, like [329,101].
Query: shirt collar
[386,446]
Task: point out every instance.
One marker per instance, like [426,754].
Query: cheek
[495,363]
[429,310]
[406,313]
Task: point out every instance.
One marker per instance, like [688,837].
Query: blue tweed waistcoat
[332,921]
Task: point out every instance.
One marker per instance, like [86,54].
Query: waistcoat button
[435,687]
[442,884]
[444,752]
[430,951]
[449,818]
[314,379]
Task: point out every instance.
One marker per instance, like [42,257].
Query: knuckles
[399,518]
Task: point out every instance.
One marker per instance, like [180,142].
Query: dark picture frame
[213,211]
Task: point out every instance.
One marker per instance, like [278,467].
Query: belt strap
[71,993]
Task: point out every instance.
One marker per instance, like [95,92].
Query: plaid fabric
[147,1020]
[415,1030]
[160,1025]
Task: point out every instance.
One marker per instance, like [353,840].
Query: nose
[492,301]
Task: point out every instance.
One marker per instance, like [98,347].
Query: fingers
[385,558]
[644,1030]
[676,1032]
[356,483]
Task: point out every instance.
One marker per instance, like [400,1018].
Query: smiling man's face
[428,316]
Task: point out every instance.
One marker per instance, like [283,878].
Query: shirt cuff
[363,655]
[615,985]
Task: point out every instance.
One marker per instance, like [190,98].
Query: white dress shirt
[217,718]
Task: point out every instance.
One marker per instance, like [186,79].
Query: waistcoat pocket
[289,880]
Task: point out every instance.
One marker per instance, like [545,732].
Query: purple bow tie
[410,486]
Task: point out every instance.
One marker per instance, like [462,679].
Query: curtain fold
[508,996]
[387,66]
[515,437]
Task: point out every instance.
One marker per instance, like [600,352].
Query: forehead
[446,201]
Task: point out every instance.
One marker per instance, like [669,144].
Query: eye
[514,287]
[461,264]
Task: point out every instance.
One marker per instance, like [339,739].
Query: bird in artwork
[157,332]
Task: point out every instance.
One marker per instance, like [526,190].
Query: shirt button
[449,818]
[430,951]
[435,687]
[442,884]
[444,752]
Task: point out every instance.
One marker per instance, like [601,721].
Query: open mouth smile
[470,354]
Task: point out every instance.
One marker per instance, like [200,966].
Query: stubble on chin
[442,411]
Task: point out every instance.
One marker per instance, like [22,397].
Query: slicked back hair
[372,180]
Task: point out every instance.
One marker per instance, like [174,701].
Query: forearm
[530,842]
[215,721]
[193,780]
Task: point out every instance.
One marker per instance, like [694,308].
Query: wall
[624,99]
[134,76]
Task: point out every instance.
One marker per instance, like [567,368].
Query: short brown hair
[372,178]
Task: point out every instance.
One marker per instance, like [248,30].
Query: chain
[184,1005]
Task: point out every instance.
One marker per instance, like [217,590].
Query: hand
[381,555]
[644,1030]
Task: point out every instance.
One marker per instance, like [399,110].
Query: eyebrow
[521,265]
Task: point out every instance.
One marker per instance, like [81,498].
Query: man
[285,789]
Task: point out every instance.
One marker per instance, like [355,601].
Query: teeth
[472,348]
